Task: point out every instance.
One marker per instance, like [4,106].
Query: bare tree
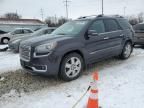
[50,21]
[55,22]
[61,21]
[133,20]
[12,16]
[136,19]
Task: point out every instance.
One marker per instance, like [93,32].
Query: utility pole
[42,14]
[125,11]
[66,6]
[102,7]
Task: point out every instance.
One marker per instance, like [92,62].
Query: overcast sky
[31,8]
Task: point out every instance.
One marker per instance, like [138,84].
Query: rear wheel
[5,40]
[127,50]
[71,67]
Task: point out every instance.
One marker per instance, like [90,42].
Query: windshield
[70,28]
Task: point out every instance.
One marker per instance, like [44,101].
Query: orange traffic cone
[93,99]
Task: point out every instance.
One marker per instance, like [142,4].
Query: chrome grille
[25,52]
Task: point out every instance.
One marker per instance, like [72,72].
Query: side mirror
[92,33]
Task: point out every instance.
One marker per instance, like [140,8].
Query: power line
[66,6]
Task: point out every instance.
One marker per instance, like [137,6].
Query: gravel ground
[24,82]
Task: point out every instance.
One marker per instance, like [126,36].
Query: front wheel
[71,67]
[127,50]
[5,40]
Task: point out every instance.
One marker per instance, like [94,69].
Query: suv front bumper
[46,65]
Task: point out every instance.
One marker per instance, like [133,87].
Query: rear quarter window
[111,25]
[124,24]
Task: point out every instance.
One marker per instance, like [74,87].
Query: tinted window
[49,31]
[18,32]
[111,25]
[2,32]
[98,26]
[124,23]
[27,31]
[139,27]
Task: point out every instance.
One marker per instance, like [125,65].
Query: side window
[18,32]
[142,27]
[27,31]
[139,28]
[125,24]
[49,31]
[46,31]
[111,25]
[98,26]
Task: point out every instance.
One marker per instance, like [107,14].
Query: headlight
[45,48]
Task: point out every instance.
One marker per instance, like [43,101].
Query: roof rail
[119,16]
[101,15]
[87,16]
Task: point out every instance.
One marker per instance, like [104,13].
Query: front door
[97,45]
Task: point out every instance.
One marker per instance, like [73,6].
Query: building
[8,25]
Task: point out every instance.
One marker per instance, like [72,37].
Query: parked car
[15,42]
[75,44]
[139,34]
[5,38]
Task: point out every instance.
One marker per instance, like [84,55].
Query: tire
[127,50]
[5,40]
[71,67]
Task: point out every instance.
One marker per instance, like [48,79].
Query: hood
[44,39]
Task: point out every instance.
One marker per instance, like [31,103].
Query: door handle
[106,38]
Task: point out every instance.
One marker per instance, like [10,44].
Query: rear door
[114,36]
[98,46]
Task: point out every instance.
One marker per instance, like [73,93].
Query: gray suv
[139,34]
[77,43]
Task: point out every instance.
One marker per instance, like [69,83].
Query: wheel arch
[4,38]
[69,52]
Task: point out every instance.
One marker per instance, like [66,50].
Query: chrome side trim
[24,59]
[111,32]
[103,49]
